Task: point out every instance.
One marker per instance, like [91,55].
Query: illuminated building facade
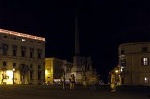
[56,68]
[135,59]
[21,58]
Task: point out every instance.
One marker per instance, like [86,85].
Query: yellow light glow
[9,74]
[46,71]
[116,71]
[22,35]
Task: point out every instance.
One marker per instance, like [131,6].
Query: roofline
[133,43]
[21,34]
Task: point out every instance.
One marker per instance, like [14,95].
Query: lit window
[23,40]
[145,61]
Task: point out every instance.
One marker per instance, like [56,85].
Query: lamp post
[13,76]
[122,63]
[63,80]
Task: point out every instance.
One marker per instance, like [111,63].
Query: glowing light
[58,81]
[46,72]
[21,35]
[116,71]
[23,40]
[9,80]
[145,78]
[13,69]
[122,68]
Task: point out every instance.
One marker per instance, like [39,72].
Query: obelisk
[77,66]
[76,58]
[77,47]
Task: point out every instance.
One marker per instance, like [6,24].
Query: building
[21,58]
[134,58]
[56,68]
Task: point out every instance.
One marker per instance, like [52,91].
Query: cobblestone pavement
[46,92]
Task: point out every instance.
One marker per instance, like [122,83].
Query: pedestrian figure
[113,82]
[48,83]
[72,81]
[84,81]
[2,79]
[63,81]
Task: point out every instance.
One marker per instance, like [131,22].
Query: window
[39,53]
[14,53]
[14,47]
[145,61]
[39,42]
[39,74]
[39,66]
[31,66]
[144,49]
[14,38]
[31,75]
[5,36]
[23,51]
[123,62]
[4,63]
[122,51]
[14,65]
[5,49]
[31,52]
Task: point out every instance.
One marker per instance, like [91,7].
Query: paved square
[46,92]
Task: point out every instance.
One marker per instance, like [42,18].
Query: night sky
[103,26]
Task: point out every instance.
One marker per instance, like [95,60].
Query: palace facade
[134,58]
[21,58]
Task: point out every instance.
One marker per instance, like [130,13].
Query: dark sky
[103,25]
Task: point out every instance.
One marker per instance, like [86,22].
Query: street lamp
[13,76]
[63,80]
